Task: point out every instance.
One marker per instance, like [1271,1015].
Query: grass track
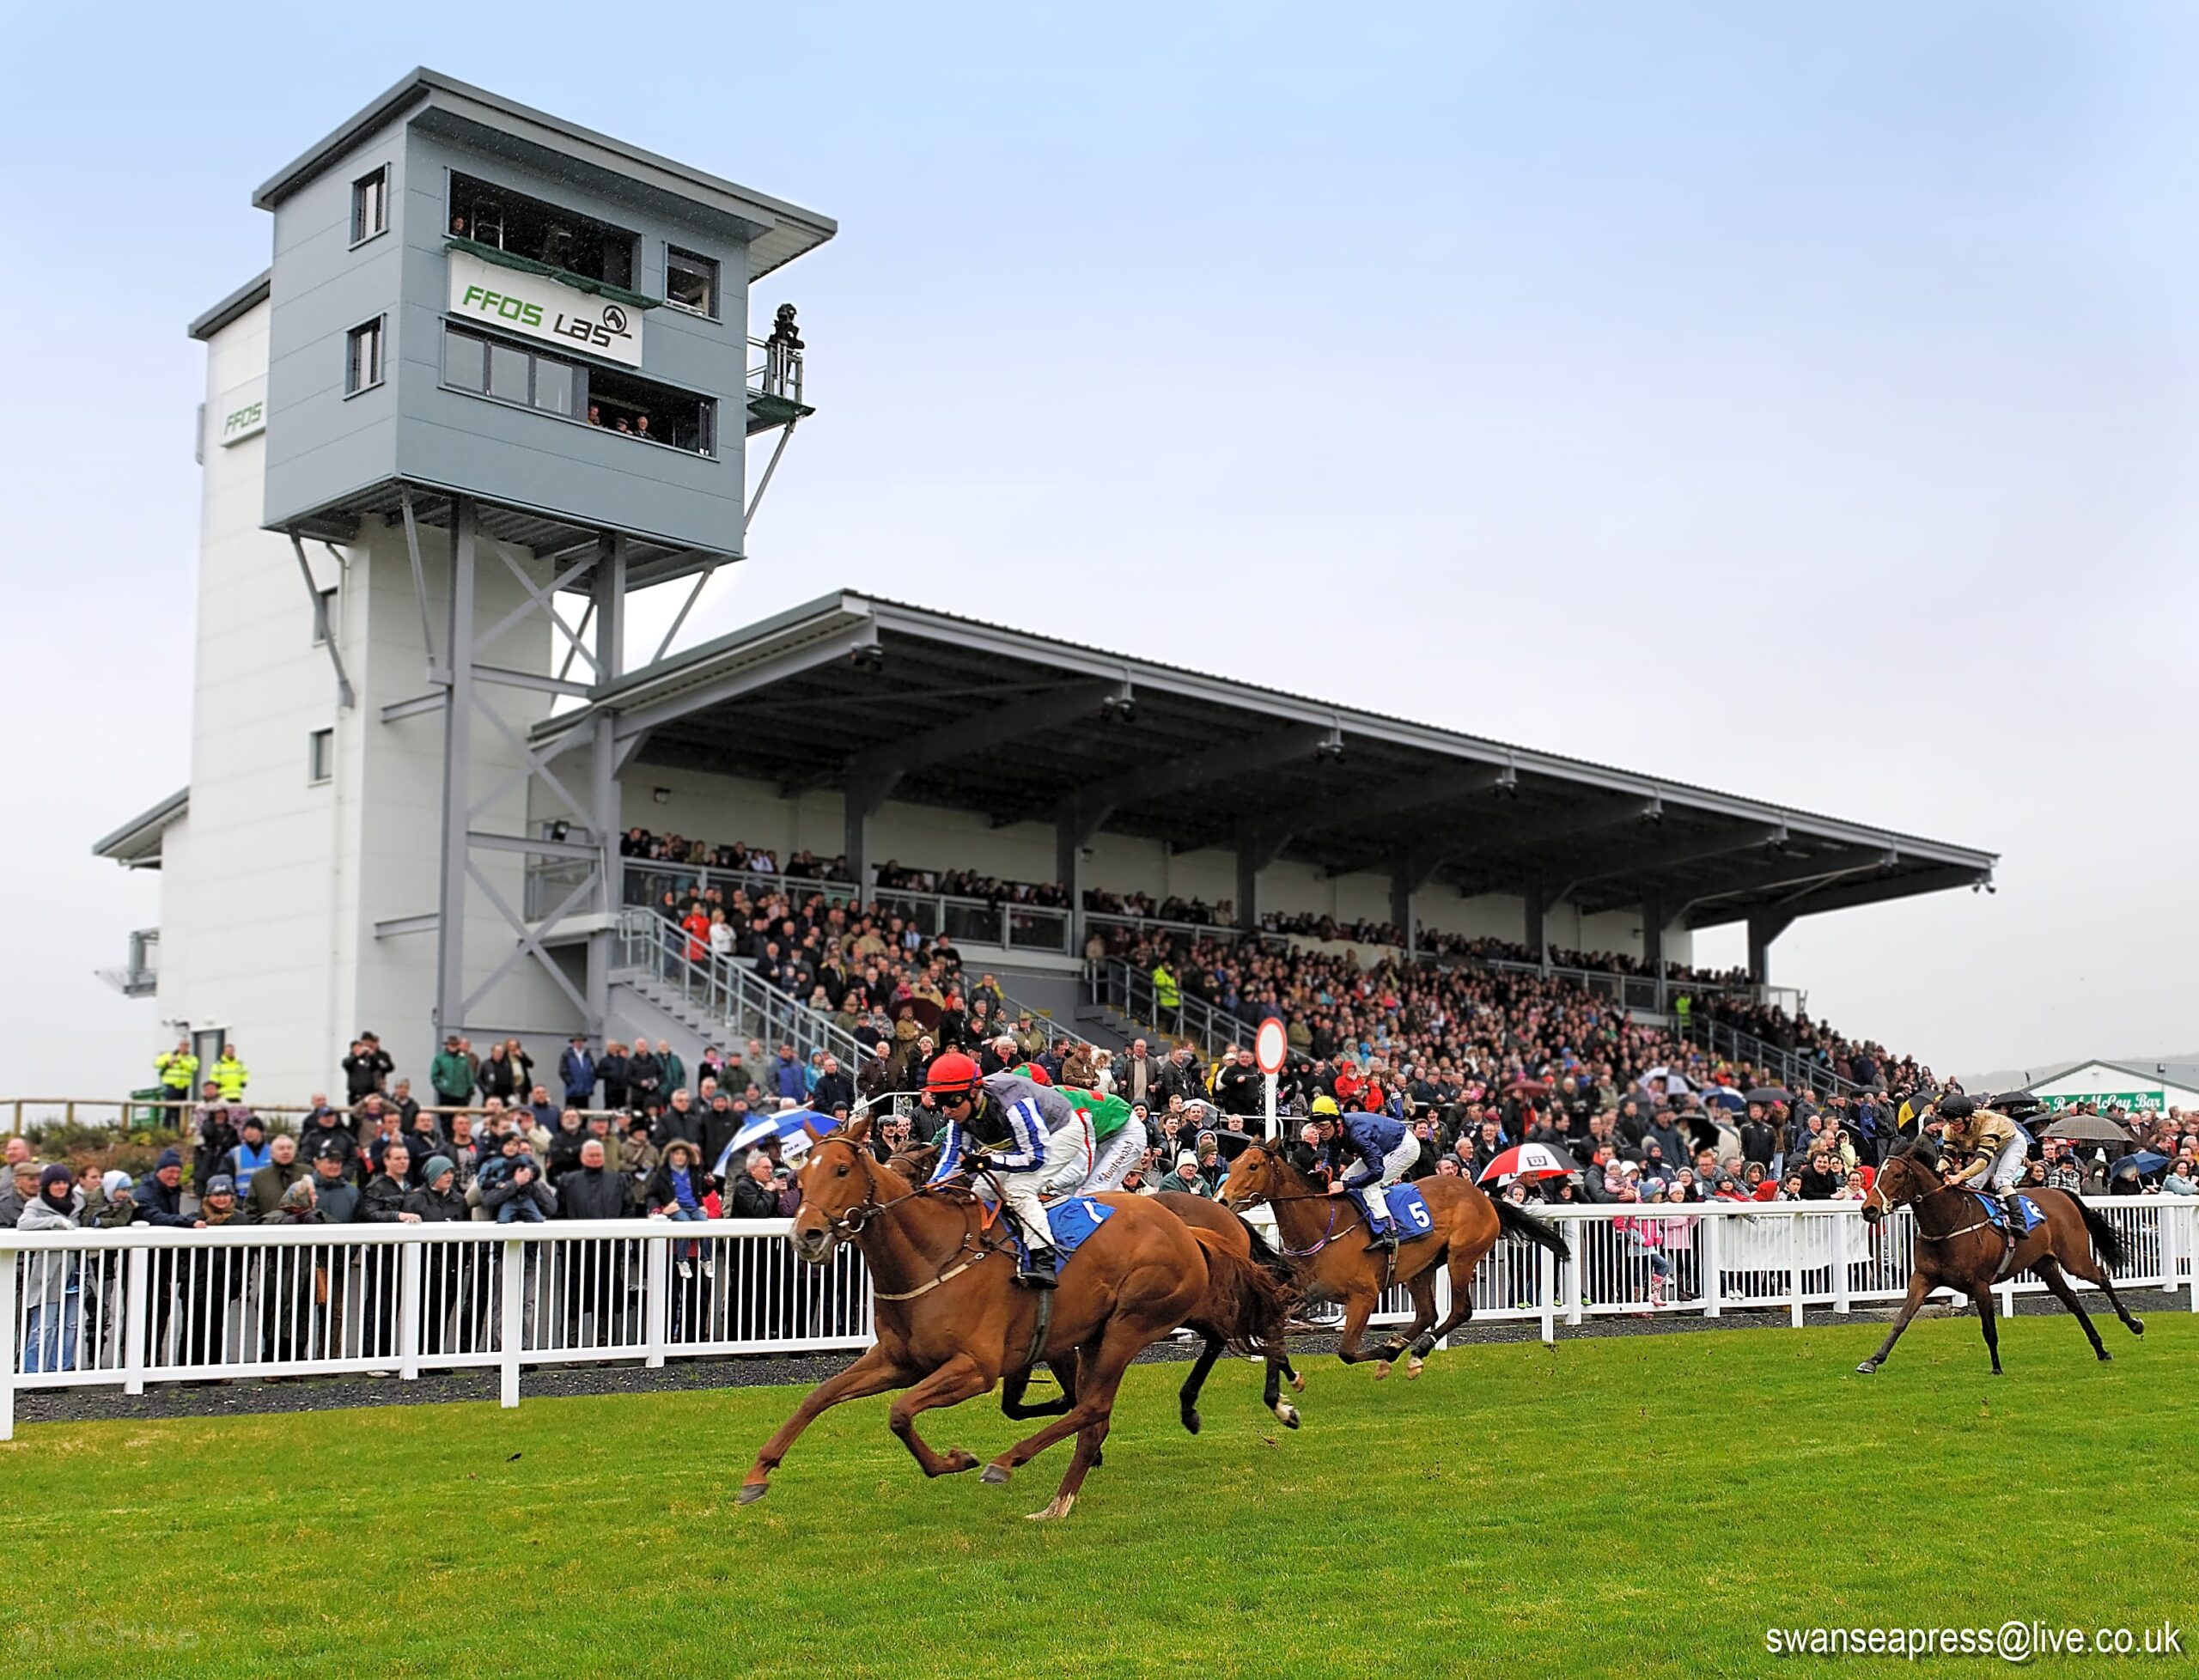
[1637,1506]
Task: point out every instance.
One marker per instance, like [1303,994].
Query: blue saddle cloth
[1409,1213]
[2032,1217]
[1073,1221]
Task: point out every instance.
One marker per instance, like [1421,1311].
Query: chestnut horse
[1324,1236]
[1957,1248]
[951,1320]
[916,1162]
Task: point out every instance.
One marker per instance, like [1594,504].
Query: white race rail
[98,1308]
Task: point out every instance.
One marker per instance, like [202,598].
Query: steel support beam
[1089,807]
[774,667]
[1537,905]
[458,764]
[1616,861]
[1766,926]
[1712,909]
[1653,939]
[1256,848]
[1017,719]
[1441,787]
[323,632]
[1839,891]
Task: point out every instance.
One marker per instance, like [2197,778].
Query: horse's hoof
[958,1461]
[1297,1382]
[1381,1369]
[751,1492]
[996,1475]
[1286,1414]
[2137,1327]
[1192,1419]
[2105,1357]
[1057,1508]
[1869,1368]
[1414,1367]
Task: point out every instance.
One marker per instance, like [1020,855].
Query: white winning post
[1269,1045]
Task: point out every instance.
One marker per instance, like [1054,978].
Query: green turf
[1636,1506]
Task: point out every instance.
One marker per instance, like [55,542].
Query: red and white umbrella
[1529,1160]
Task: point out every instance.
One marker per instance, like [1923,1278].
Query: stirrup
[1384,1240]
[1037,1274]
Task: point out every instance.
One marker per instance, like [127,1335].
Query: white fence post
[1442,1304]
[510,1319]
[9,1260]
[1549,1263]
[1714,1265]
[1843,1228]
[137,1274]
[1793,1269]
[657,1300]
[1571,1276]
[409,1316]
[2190,1251]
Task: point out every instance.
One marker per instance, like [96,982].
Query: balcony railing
[141,977]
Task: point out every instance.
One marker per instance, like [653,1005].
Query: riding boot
[2013,1208]
[1383,1236]
[1037,1271]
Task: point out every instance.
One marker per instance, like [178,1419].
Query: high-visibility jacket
[1166,993]
[230,1076]
[177,1069]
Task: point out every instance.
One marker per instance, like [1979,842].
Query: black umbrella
[2089,1128]
[1768,1093]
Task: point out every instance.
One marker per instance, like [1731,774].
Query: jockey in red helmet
[1030,1135]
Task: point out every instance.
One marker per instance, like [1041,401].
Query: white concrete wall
[723,809]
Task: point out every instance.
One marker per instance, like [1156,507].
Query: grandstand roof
[950,711]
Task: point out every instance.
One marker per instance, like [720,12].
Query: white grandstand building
[417,731]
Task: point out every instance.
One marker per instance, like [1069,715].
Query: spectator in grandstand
[509,1188]
[337,1196]
[592,1190]
[20,1188]
[49,1283]
[578,1073]
[367,1068]
[755,1194]
[268,1183]
[451,1074]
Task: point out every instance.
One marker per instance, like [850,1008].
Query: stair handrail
[1118,984]
[722,985]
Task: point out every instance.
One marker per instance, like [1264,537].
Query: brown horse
[1318,1231]
[951,1321]
[916,1162]
[1957,1248]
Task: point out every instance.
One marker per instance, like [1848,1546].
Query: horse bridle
[1327,1237]
[1886,1205]
[852,1223]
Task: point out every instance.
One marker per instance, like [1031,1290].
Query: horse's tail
[1246,1303]
[1518,1222]
[1265,1253]
[2107,1241]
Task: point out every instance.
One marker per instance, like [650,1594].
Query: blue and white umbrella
[786,1125]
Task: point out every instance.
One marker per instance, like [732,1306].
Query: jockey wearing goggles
[1997,1148]
[1028,1133]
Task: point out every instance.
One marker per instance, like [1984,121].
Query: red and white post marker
[1269,1046]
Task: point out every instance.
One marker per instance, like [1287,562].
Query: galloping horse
[915,1163]
[950,1320]
[1315,1227]
[1958,1247]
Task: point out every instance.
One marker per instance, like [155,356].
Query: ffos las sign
[537,307]
[239,414]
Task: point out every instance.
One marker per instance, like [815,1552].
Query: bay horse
[1957,1248]
[950,1319]
[1317,1230]
[915,1161]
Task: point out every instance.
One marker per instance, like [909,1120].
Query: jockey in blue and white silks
[1029,1134]
[1386,1152]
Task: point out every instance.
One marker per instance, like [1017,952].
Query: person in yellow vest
[179,1072]
[1166,994]
[230,1074]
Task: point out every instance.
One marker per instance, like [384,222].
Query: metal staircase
[719,1000]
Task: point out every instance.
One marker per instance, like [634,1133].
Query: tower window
[370,205]
[320,755]
[691,282]
[362,357]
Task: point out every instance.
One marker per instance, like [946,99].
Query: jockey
[1997,1148]
[1119,1139]
[1387,1151]
[1028,1133]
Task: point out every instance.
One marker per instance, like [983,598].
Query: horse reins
[852,1223]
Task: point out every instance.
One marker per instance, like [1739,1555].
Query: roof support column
[1401,891]
[1256,848]
[458,731]
[1537,903]
[1653,940]
[861,799]
[1765,926]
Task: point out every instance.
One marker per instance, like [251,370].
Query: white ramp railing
[129,1306]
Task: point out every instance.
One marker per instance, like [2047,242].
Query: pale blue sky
[1797,400]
